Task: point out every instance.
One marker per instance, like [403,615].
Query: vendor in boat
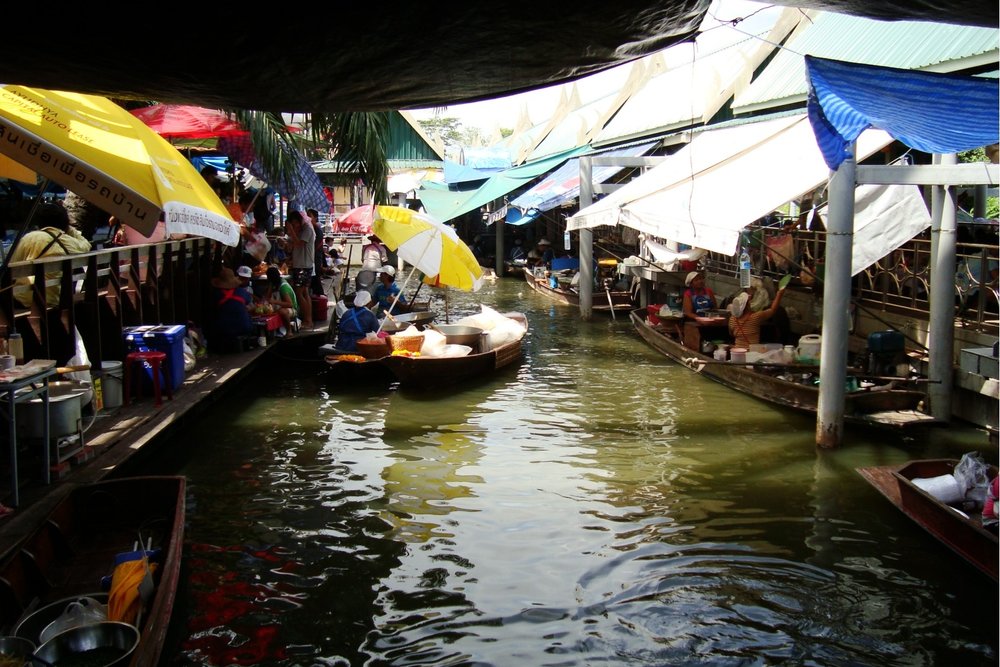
[387,293]
[356,322]
[699,299]
[745,323]
[542,254]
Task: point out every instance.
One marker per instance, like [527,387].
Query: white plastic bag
[79,358]
[434,343]
[82,611]
[973,477]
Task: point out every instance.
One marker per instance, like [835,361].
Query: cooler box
[319,304]
[167,338]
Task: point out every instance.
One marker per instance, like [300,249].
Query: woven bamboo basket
[373,349]
[407,343]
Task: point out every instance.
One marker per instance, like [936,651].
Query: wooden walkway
[122,433]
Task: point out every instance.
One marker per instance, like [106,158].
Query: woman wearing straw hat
[698,298]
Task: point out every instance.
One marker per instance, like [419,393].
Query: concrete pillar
[941,333]
[836,306]
[586,285]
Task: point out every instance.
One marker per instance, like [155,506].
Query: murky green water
[596,505]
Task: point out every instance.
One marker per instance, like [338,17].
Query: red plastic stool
[136,362]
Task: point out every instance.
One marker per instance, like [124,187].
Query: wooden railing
[101,292]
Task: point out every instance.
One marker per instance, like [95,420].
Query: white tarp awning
[885,217]
[722,181]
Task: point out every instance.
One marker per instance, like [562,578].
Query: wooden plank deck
[122,433]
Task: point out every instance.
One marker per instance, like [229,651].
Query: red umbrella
[183,121]
[356,221]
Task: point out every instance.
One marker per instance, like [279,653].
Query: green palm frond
[272,141]
[357,142]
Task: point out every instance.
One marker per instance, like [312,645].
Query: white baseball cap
[388,269]
[244,272]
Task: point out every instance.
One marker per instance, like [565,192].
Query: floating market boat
[879,404]
[96,532]
[961,532]
[605,299]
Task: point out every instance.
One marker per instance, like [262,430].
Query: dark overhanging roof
[374,56]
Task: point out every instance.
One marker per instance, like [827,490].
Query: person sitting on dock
[698,298]
[744,323]
[356,322]
[283,298]
[232,302]
[387,291]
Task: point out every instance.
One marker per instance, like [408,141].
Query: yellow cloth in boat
[124,600]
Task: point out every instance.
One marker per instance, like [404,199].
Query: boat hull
[965,536]
[890,407]
[69,553]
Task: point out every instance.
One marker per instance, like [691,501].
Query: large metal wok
[419,319]
[457,334]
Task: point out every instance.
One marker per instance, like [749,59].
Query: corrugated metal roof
[904,44]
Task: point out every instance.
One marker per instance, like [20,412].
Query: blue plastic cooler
[168,338]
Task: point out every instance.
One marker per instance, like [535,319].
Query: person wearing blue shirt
[387,291]
[355,323]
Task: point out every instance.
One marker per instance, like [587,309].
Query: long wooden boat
[881,405]
[430,372]
[961,532]
[604,301]
[67,556]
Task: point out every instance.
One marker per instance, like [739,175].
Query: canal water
[595,505]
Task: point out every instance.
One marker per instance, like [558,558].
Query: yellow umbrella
[92,146]
[430,246]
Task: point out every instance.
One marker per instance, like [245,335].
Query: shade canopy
[708,191]
[92,146]
[928,111]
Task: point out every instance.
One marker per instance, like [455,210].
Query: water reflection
[595,504]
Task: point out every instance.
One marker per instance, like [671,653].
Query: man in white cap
[355,323]
[387,292]
[245,273]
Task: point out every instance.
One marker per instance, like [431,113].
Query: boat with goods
[961,531]
[116,542]
[556,285]
[884,404]
[468,352]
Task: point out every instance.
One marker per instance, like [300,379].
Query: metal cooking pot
[66,401]
[418,318]
[16,647]
[456,334]
[117,640]
[31,626]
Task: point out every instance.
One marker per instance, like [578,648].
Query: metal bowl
[456,334]
[16,647]
[31,626]
[106,644]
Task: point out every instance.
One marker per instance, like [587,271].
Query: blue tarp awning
[563,185]
[927,111]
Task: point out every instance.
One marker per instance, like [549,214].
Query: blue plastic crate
[167,338]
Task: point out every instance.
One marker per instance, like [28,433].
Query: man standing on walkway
[302,238]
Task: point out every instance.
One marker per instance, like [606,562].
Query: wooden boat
[962,533]
[880,405]
[74,548]
[604,301]
[429,372]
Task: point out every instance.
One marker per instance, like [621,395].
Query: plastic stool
[136,362]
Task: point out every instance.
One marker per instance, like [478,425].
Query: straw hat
[690,277]
[362,299]
[389,270]
[226,279]
[739,304]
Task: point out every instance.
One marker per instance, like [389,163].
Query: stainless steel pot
[66,401]
[16,647]
[113,641]
[457,334]
[32,625]
[418,318]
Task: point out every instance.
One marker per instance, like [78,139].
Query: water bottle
[15,345]
[744,270]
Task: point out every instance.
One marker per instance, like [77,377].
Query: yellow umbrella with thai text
[430,246]
[95,148]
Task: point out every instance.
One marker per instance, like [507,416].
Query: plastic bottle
[15,345]
[744,270]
